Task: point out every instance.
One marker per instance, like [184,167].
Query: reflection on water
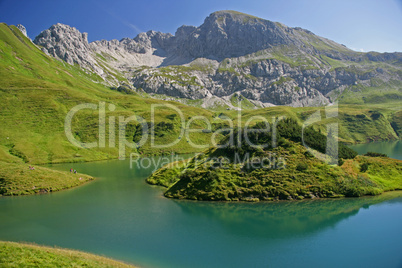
[120,216]
[283,219]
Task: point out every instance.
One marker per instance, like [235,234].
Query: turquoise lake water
[391,148]
[122,217]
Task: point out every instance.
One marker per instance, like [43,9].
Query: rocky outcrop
[147,49]
[22,29]
[231,52]
[268,81]
[66,43]
[70,45]
[230,34]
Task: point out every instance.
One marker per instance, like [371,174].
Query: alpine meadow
[186,135]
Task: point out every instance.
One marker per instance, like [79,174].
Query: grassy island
[286,172]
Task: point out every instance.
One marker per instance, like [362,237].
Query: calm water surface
[391,148]
[120,216]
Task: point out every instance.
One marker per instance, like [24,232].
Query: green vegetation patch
[30,255]
[23,179]
[37,92]
[238,100]
[282,80]
[286,172]
[304,176]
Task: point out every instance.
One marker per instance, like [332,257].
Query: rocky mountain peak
[154,39]
[266,62]
[227,34]
[224,16]
[184,31]
[64,42]
[61,33]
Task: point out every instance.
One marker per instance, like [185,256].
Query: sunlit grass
[31,255]
[24,179]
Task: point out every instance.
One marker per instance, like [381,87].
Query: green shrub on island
[374,154]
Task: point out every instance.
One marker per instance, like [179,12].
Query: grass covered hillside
[38,91]
[357,123]
[287,171]
[23,179]
[29,255]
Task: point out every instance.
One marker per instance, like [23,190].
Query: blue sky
[364,25]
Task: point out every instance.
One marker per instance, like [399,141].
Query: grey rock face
[269,81]
[70,45]
[227,34]
[230,53]
[66,43]
[22,29]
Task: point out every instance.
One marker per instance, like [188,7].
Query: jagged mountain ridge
[230,53]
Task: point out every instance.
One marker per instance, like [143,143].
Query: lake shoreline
[26,253]
[24,179]
[285,201]
[122,217]
[49,165]
[67,161]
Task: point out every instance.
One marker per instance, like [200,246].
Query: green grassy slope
[29,255]
[19,179]
[357,123]
[36,93]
